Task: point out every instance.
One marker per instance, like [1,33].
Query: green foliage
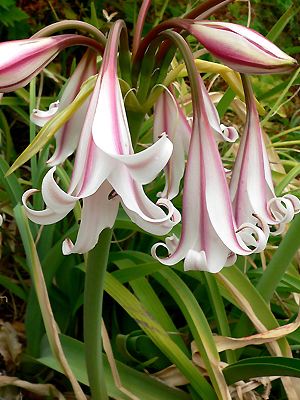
[11,16]
[154,314]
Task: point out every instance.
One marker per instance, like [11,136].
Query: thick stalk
[137,36]
[93,296]
[70,24]
[219,312]
[204,10]
[135,121]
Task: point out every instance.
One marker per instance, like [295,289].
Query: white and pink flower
[251,186]
[240,48]
[106,170]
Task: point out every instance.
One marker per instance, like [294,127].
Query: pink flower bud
[22,60]
[241,48]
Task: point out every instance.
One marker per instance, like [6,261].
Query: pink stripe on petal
[115,122]
[241,48]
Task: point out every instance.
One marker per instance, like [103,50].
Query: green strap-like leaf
[261,366]
[140,384]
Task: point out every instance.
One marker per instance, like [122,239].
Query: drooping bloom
[106,170]
[22,60]
[68,136]
[251,186]
[241,48]
[170,118]
[210,237]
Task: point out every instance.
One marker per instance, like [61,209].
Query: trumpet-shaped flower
[251,186]
[210,237]
[241,48]
[106,170]
[67,137]
[170,118]
[22,60]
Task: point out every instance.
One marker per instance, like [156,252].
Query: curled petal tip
[67,247]
[40,118]
[173,214]
[230,134]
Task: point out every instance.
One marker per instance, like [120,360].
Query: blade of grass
[199,327]
[147,296]
[282,22]
[159,336]
[141,384]
[41,291]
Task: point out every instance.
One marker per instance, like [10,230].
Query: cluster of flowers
[219,220]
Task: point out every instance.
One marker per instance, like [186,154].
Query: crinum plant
[97,123]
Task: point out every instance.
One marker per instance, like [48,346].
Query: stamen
[112,194]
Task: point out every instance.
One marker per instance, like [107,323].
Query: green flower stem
[135,121]
[32,129]
[280,261]
[93,296]
[219,311]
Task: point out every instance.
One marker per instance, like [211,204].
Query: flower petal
[22,60]
[251,186]
[139,207]
[43,217]
[40,118]
[170,119]
[92,165]
[54,197]
[99,211]
[145,165]
[118,140]
[67,137]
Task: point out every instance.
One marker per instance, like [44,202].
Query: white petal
[139,207]
[145,165]
[110,127]
[68,136]
[229,134]
[99,211]
[43,217]
[91,166]
[54,197]
[195,260]
[40,118]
